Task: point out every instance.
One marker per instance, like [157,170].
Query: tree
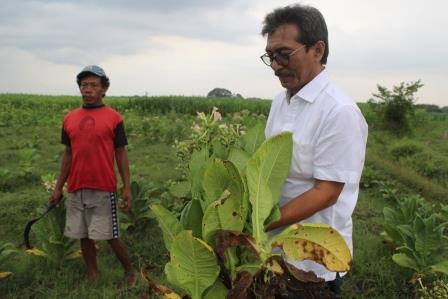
[223,93]
[220,93]
[397,106]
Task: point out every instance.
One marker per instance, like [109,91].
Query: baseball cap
[93,69]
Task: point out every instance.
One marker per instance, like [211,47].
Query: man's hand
[55,197]
[126,205]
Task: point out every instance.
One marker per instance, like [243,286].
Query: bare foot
[93,278]
[131,279]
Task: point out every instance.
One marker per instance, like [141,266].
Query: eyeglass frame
[284,56]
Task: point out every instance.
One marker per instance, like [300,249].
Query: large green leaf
[441,267]
[220,176]
[318,242]
[225,198]
[253,139]
[223,214]
[193,266]
[197,166]
[427,238]
[239,158]
[266,172]
[191,217]
[405,261]
[217,291]
[168,223]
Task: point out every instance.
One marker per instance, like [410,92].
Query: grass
[35,123]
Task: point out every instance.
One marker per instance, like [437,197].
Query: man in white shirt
[329,131]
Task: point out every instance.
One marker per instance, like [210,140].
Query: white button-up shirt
[329,142]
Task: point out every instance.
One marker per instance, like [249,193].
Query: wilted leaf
[36,252]
[317,242]
[5,274]
[227,239]
[241,286]
[158,288]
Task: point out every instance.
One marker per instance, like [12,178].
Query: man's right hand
[55,197]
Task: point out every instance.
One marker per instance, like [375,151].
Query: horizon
[144,49]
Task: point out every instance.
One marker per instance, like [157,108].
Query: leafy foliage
[397,105]
[53,245]
[417,232]
[226,194]
[141,197]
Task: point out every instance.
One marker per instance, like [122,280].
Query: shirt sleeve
[340,149]
[65,139]
[120,136]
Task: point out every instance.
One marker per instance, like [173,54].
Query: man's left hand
[126,205]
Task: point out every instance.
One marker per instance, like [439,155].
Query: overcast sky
[169,47]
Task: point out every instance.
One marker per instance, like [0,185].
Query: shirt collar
[92,107]
[313,88]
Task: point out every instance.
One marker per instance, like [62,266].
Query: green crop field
[405,175]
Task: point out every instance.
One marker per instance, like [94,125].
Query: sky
[169,47]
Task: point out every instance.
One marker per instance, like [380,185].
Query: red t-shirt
[93,134]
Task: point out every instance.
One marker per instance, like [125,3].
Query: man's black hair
[309,21]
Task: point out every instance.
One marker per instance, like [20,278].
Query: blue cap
[93,69]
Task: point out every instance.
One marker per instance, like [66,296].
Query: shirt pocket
[302,161]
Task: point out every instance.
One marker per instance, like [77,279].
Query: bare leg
[89,254]
[121,253]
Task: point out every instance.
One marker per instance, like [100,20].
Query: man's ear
[319,50]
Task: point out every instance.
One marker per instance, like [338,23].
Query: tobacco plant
[53,246]
[219,246]
[417,231]
[139,213]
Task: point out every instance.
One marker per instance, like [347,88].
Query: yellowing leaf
[4,274]
[163,291]
[36,252]
[317,242]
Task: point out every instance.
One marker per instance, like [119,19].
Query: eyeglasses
[281,58]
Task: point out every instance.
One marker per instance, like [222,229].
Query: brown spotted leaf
[317,242]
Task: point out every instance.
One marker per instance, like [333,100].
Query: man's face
[92,91]
[302,65]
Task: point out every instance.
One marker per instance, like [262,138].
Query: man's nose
[275,65]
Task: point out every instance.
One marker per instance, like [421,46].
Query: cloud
[77,31]
[202,44]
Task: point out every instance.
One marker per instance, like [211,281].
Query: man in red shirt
[94,137]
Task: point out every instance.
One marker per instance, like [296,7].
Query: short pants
[91,214]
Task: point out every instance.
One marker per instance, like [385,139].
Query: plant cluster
[219,246]
[416,229]
[396,106]
[211,132]
[438,289]
[422,159]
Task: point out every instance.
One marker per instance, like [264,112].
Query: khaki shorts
[91,214]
